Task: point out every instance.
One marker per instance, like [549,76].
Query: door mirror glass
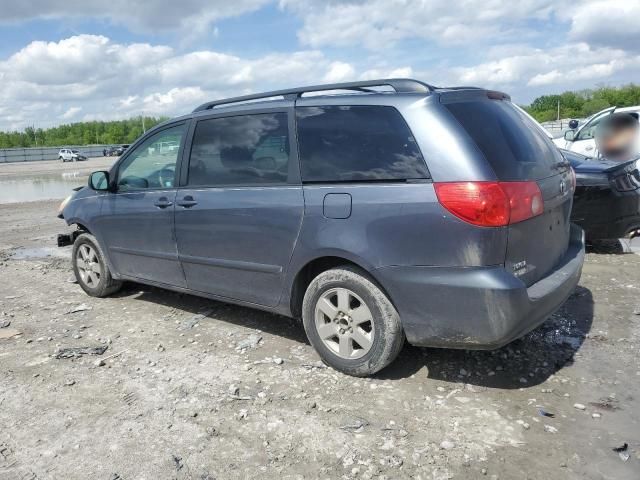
[99,181]
[152,164]
[569,135]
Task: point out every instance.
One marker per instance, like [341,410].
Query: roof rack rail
[400,85]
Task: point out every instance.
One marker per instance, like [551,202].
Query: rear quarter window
[513,145]
[357,143]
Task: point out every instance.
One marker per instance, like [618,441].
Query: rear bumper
[478,307]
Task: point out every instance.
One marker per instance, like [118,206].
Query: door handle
[187,202]
[163,202]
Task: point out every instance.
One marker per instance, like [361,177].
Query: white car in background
[581,138]
[70,155]
[163,148]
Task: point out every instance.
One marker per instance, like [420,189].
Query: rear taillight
[491,204]
[525,200]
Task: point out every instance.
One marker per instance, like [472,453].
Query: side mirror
[569,135]
[99,181]
[573,124]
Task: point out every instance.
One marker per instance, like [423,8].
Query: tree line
[583,103]
[81,133]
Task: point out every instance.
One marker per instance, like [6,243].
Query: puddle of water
[28,253]
[558,330]
[28,188]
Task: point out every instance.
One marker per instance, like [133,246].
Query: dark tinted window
[514,146]
[241,150]
[356,143]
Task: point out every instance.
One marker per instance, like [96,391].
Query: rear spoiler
[462,94]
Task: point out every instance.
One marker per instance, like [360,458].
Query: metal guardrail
[36,154]
[557,127]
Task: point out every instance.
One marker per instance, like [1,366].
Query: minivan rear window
[357,143]
[514,146]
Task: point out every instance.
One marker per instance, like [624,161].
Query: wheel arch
[82,227]
[314,267]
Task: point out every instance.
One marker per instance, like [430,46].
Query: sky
[63,61]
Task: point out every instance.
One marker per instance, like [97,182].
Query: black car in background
[114,151]
[109,151]
[606,202]
[121,149]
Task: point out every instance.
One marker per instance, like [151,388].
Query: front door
[584,142]
[239,214]
[136,223]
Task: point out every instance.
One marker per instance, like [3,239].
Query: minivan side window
[248,149]
[152,164]
[357,143]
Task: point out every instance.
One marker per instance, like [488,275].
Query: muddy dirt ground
[176,395]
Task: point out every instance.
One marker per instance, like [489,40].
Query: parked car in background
[165,148]
[69,155]
[110,151]
[120,150]
[323,208]
[581,138]
[606,202]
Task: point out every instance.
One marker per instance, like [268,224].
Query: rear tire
[350,322]
[91,269]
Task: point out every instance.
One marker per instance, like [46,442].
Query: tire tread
[393,334]
[108,285]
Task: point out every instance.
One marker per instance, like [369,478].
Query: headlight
[64,204]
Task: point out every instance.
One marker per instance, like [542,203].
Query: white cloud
[339,72]
[613,23]
[372,74]
[379,23]
[189,16]
[571,66]
[70,113]
[176,99]
[526,48]
[104,79]
[82,59]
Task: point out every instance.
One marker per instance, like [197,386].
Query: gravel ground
[194,389]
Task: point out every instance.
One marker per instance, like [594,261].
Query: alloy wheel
[344,323]
[88,265]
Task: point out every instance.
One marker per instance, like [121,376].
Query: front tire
[350,322]
[91,269]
